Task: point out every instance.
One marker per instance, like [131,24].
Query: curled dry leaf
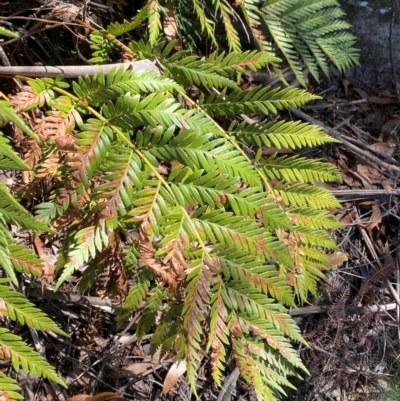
[175,372]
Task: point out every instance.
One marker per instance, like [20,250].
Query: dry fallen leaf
[98,397]
[170,25]
[173,375]
[139,367]
[336,259]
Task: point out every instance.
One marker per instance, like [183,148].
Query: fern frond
[168,330]
[154,16]
[98,89]
[218,334]
[233,62]
[101,47]
[308,30]
[8,114]
[88,242]
[260,100]
[232,35]
[117,29]
[149,315]
[242,267]
[321,220]
[136,296]
[281,134]
[198,152]
[303,195]
[316,237]
[24,260]
[9,388]
[245,299]
[22,356]
[207,24]
[16,307]
[14,213]
[234,231]
[190,70]
[11,160]
[215,190]
[294,168]
[196,304]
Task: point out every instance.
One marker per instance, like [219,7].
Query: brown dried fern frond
[27,99]
[381,274]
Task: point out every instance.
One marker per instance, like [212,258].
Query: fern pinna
[151,184]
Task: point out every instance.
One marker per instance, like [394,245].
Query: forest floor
[352,326]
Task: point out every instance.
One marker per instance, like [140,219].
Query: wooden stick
[76,71]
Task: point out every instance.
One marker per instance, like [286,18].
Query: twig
[345,195]
[78,70]
[335,356]
[228,384]
[329,105]
[391,55]
[352,310]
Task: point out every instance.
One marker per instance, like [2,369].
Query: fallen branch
[69,71]
[352,310]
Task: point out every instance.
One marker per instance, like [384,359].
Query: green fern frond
[242,267]
[218,335]
[149,315]
[281,134]
[196,303]
[101,47]
[89,241]
[168,330]
[207,24]
[7,115]
[99,89]
[154,16]
[245,299]
[11,160]
[210,234]
[22,356]
[16,307]
[233,62]
[198,152]
[258,100]
[301,169]
[190,70]
[24,260]
[322,220]
[303,195]
[137,295]
[300,28]
[317,238]
[9,388]
[117,29]
[14,213]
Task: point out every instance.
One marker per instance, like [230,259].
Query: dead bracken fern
[142,181]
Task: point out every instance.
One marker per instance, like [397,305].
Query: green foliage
[152,183]
[17,258]
[307,33]
[9,388]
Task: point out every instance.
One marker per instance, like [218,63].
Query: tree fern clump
[150,183]
[307,33]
